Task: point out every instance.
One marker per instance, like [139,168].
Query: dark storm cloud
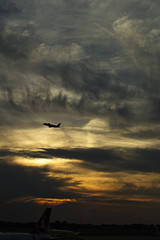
[150,189]
[145,133]
[8,8]
[16,42]
[116,160]
[18,181]
[131,160]
[16,35]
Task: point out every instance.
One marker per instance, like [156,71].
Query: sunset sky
[94,66]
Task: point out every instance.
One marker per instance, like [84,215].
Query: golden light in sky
[94,67]
[79,179]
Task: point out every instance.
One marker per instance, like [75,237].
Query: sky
[92,65]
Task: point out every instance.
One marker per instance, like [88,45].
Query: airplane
[39,233]
[52,125]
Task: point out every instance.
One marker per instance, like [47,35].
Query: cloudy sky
[92,65]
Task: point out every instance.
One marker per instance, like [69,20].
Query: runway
[121,238]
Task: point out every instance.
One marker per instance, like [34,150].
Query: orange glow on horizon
[43,201]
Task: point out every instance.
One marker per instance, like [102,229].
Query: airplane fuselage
[52,125]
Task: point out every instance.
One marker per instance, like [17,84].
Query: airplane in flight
[52,125]
[39,233]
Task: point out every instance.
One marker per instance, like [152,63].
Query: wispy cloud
[71,64]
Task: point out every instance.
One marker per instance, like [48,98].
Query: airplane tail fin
[58,124]
[42,225]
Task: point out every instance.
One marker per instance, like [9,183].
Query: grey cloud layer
[102,58]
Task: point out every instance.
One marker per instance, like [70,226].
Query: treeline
[83,229]
[106,229]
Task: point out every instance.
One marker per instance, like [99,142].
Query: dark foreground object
[85,229]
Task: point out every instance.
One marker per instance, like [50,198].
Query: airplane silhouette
[39,232]
[52,125]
